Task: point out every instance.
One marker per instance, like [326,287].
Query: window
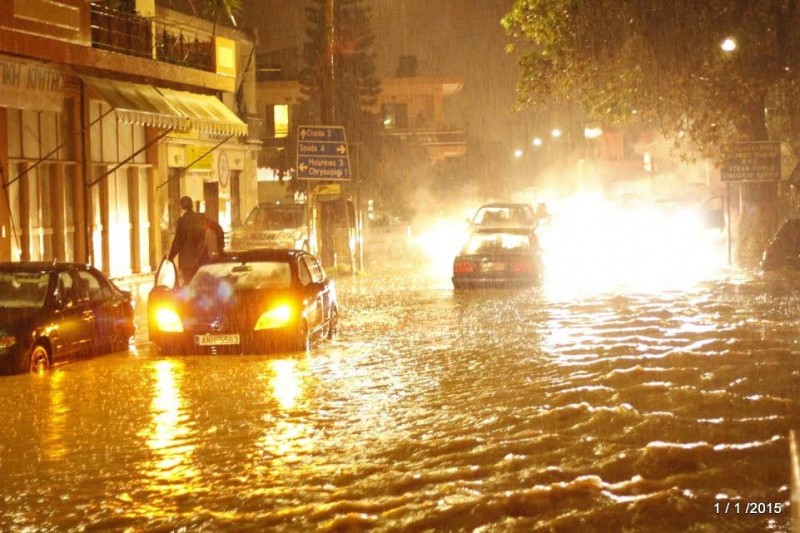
[395,116]
[314,268]
[69,292]
[97,288]
[304,274]
[277,121]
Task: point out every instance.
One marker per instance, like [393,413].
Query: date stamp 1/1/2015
[740,507]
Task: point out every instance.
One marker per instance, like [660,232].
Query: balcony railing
[430,137]
[173,46]
[121,32]
[257,127]
[134,35]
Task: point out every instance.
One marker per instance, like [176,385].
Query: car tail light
[522,267]
[463,267]
[168,320]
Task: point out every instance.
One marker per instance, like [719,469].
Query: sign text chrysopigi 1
[322,153]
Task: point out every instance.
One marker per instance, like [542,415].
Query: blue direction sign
[322,153]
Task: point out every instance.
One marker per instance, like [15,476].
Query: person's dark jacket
[190,241]
[218,234]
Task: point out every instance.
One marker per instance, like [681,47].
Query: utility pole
[329,73]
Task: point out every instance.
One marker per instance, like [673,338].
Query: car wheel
[333,323]
[37,360]
[300,342]
[121,340]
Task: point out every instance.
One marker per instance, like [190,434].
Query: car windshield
[23,290]
[276,218]
[238,275]
[493,242]
[498,216]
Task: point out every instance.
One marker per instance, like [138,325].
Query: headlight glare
[277,317]
[168,320]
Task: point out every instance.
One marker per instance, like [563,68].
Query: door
[76,319]
[318,290]
[211,199]
[111,312]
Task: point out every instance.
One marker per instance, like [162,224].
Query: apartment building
[107,117]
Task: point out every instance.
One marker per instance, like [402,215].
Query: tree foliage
[661,62]
[355,86]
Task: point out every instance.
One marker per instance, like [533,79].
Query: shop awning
[206,113]
[166,108]
[136,103]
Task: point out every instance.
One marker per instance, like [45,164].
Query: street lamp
[517,153]
[556,133]
[537,141]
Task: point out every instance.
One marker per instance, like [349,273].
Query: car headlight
[277,317]
[7,341]
[168,320]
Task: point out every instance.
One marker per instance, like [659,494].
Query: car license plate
[216,340]
[493,267]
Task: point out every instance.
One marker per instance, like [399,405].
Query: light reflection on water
[170,436]
[433,411]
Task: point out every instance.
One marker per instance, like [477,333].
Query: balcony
[257,127]
[121,32]
[440,143]
[134,35]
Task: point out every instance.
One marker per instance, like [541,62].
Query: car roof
[496,230]
[259,254]
[39,266]
[504,205]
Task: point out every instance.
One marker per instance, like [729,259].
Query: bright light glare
[537,141]
[593,245]
[517,153]
[728,45]
[274,318]
[168,320]
[440,244]
[556,133]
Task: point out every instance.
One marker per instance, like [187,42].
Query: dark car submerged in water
[51,313]
[244,302]
[498,258]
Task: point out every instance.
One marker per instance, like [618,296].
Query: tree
[662,62]
[355,86]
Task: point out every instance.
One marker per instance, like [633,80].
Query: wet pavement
[658,410]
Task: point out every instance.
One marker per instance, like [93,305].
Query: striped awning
[206,113]
[138,103]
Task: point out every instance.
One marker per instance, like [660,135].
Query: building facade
[107,117]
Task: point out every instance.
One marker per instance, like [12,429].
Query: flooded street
[434,410]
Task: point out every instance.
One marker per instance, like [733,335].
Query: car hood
[241,307]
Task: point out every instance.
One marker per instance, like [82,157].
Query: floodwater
[487,411]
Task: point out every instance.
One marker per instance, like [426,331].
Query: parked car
[244,302]
[783,250]
[504,215]
[51,313]
[499,258]
[273,225]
